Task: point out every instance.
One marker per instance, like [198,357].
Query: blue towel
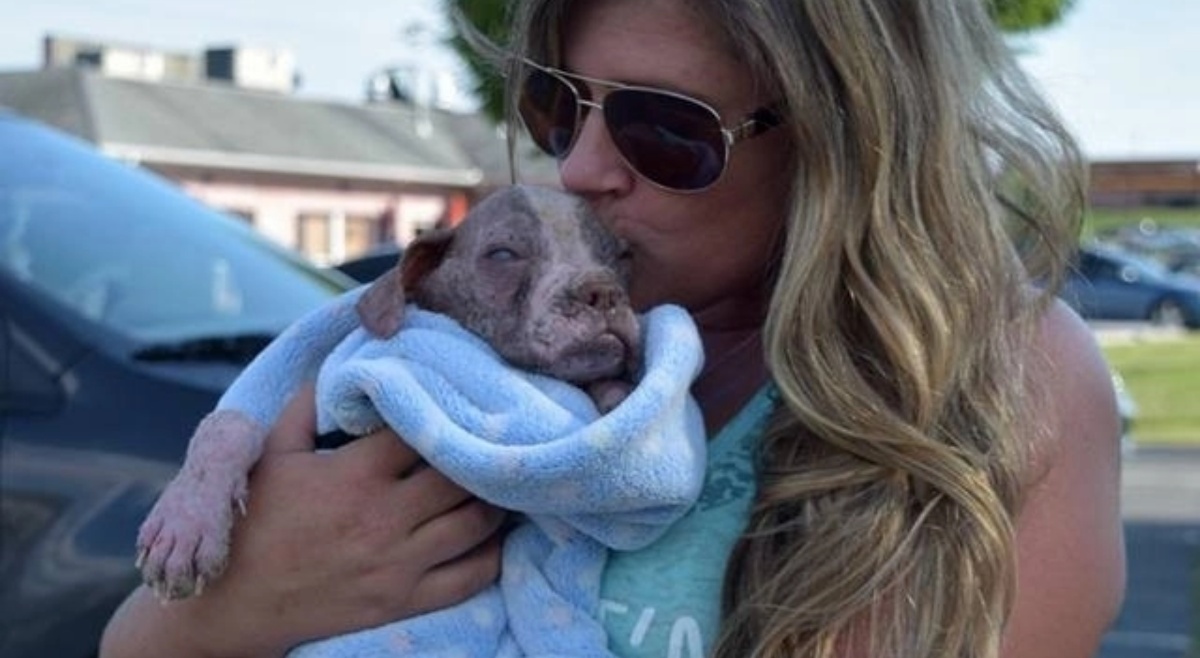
[585,483]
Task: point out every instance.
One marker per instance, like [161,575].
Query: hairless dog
[485,345]
[533,274]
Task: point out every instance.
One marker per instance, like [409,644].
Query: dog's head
[531,271]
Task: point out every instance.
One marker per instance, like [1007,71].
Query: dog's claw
[241,503]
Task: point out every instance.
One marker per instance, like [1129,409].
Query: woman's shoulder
[1074,381]
[1074,401]
[1071,574]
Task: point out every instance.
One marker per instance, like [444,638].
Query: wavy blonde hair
[931,187]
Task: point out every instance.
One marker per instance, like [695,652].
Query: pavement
[1160,490]
[1161,510]
[1118,333]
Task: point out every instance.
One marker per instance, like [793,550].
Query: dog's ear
[381,307]
[423,256]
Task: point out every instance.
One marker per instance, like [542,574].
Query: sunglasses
[675,142]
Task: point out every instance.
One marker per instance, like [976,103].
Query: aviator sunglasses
[673,141]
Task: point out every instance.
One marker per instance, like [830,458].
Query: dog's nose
[602,294]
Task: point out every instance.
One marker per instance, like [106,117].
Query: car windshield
[131,251]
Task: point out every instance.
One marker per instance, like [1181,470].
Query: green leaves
[1028,15]
[490,19]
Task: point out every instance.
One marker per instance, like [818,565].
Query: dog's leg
[184,541]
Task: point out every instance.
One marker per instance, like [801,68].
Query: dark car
[1108,284]
[1185,264]
[126,308]
[367,267]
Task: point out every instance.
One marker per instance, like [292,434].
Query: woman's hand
[331,542]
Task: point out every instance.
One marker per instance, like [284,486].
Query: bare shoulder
[1071,559]
[1075,380]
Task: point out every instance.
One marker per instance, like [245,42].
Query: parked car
[1109,284]
[126,308]
[1187,264]
[367,267]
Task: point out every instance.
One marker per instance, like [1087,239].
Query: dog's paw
[184,541]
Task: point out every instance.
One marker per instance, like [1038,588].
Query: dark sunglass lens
[669,140]
[548,108]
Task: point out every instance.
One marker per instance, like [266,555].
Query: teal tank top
[664,601]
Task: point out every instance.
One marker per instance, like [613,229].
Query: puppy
[487,344]
[534,274]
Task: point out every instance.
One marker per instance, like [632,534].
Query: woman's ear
[381,307]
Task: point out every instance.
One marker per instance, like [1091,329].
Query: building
[1146,183]
[330,179]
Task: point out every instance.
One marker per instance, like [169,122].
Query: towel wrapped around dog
[586,483]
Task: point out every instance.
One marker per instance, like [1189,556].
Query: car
[126,309]
[367,267]
[1110,284]
[1185,264]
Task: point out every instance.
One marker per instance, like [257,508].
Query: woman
[914,447]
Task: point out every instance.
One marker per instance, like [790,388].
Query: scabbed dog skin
[506,353]
[529,270]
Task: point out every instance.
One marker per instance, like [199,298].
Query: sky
[1125,75]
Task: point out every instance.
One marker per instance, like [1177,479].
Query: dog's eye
[503,254]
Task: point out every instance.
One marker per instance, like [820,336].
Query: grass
[1163,376]
[1105,220]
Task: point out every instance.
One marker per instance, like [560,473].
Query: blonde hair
[931,187]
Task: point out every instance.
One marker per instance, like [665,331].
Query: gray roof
[487,146]
[221,126]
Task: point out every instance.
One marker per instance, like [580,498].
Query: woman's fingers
[452,534]
[296,429]
[380,452]
[427,494]
[455,581]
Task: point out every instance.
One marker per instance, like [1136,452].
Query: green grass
[1104,220]
[1163,376]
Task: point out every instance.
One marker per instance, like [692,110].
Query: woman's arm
[1071,551]
[331,542]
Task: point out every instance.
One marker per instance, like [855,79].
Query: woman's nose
[594,165]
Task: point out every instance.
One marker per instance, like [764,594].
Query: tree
[490,18]
[1016,16]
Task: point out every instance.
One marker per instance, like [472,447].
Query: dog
[484,345]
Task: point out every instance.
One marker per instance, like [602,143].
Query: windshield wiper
[239,349]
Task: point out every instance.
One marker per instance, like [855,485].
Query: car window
[1098,266]
[125,249]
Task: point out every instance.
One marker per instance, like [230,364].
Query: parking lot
[1161,508]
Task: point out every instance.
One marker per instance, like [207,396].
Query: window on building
[332,237]
[362,233]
